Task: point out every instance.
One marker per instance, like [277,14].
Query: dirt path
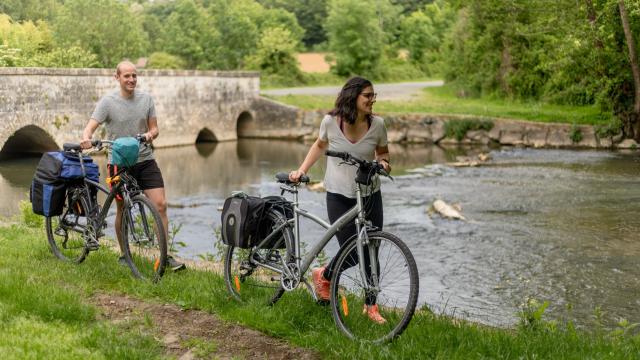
[193,334]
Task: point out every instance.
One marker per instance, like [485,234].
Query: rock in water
[446,210]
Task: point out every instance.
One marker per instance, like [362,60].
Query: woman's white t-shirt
[339,178]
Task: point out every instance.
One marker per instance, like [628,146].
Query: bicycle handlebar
[352,160]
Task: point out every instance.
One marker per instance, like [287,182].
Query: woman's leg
[337,205]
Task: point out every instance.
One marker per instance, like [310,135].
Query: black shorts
[146,173]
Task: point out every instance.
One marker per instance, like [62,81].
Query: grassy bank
[442,100]
[46,313]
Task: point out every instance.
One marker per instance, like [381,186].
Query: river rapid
[554,225]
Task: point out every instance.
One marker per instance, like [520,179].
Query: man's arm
[91,127]
[153,132]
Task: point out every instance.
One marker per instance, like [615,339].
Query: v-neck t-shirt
[339,178]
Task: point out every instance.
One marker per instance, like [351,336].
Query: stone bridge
[42,108]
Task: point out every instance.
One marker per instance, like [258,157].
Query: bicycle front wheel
[65,232]
[144,239]
[374,307]
[249,273]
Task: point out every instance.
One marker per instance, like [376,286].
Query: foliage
[106,28]
[275,57]
[29,10]
[310,15]
[355,37]
[27,36]
[163,60]
[29,218]
[576,134]
[457,129]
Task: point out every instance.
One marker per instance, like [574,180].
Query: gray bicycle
[372,267]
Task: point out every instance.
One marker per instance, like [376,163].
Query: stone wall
[276,120]
[60,102]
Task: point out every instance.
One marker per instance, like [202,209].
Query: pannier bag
[54,170]
[241,216]
[124,151]
[284,209]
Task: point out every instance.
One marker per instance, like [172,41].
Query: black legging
[337,205]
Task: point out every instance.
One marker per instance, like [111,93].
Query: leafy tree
[275,56]
[310,14]
[107,28]
[411,6]
[162,60]
[72,57]
[355,37]
[23,10]
[189,34]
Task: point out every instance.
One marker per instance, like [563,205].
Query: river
[555,225]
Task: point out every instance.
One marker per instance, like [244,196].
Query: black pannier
[47,190]
[284,209]
[241,216]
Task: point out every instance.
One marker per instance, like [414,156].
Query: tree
[275,56]
[635,70]
[310,14]
[24,10]
[105,27]
[355,37]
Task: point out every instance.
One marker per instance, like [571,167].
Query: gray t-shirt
[126,117]
[339,178]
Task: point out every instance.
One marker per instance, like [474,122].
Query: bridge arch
[29,140]
[245,125]
[206,136]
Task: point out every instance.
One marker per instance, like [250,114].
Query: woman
[350,127]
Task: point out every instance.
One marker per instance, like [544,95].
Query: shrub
[458,128]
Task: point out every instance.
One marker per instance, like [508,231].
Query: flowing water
[555,225]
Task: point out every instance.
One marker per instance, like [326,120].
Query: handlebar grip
[96,143]
[338,154]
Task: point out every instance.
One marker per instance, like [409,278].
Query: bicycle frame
[303,264]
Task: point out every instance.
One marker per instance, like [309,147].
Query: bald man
[128,112]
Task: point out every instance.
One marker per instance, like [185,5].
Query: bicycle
[75,233]
[388,275]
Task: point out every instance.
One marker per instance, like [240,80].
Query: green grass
[442,100]
[44,313]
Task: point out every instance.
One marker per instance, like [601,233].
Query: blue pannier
[71,169]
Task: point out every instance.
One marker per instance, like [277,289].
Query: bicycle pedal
[60,232]
[92,245]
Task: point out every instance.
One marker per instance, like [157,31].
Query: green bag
[124,151]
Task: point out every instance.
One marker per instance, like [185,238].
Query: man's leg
[159,200]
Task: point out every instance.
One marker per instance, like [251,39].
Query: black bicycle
[76,232]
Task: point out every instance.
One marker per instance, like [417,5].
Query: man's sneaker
[174,264]
[373,313]
[320,284]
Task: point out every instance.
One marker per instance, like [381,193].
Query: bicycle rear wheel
[65,232]
[144,239]
[395,296]
[246,280]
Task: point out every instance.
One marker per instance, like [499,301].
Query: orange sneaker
[373,313]
[320,284]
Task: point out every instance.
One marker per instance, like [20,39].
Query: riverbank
[52,309]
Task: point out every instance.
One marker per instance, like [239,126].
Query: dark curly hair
[346,107]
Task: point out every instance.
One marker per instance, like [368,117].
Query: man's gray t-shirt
[126,117]
[339,178]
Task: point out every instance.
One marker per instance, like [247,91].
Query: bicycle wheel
[395,296]
[144,239]
[247,281]
[65,232]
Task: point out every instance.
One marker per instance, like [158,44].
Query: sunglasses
[370,96]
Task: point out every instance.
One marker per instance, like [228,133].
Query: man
[128,112]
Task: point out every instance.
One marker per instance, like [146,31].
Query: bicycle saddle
[284,178]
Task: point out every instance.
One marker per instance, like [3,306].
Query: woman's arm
[315,152]
[382,156]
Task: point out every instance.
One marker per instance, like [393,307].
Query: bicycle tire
[144,239]
[65,232]
[248,282]
[396,299]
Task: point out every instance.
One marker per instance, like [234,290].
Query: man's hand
[85,144]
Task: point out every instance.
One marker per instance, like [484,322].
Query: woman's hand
[385,165]
[296,174]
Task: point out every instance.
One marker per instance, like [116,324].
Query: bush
[458,128]
[163,60]
[28,217]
